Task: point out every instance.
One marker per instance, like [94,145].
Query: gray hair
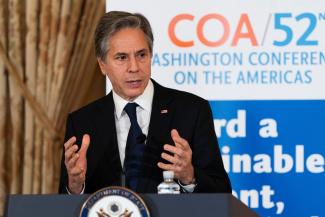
[114,21]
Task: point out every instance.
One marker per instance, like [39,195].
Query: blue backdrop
[299,123]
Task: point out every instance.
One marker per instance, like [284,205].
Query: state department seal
[114,201]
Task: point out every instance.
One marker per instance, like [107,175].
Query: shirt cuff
[82,191]
[187,188]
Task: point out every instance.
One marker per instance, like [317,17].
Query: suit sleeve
[64,176]
[209,171]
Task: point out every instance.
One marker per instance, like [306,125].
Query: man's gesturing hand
[180,160]
[76,163]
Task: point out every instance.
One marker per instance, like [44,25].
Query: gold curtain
[47,69]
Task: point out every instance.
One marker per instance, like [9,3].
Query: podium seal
[114,202]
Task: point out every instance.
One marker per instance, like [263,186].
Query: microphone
[141,138]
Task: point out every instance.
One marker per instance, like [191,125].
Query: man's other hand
[180,160]
[76,163]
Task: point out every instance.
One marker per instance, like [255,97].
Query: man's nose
[133,65]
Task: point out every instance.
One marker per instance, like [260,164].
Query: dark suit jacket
[189,114]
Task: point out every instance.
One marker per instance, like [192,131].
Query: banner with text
[261,64]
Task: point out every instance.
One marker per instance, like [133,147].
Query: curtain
[47,69]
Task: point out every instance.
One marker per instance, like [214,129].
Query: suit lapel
[161,115]
[106,134]
[158,135]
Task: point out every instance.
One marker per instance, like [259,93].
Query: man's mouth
[134,83]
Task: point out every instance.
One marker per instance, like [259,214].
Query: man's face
[128,63]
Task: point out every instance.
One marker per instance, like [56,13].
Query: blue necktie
[134,148]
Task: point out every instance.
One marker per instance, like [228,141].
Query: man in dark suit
[106,144]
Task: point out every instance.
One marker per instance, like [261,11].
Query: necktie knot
[130,110]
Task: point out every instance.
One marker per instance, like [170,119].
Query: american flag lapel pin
[164,111]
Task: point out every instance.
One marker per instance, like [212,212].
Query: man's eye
[121,57]
[142,55]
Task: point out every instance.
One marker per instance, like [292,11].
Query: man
[140,128]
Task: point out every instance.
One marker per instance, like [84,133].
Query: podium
[189,205]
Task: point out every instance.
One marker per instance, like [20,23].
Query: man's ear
[102,65]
